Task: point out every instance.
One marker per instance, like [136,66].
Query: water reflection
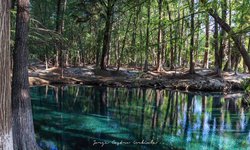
[73,117]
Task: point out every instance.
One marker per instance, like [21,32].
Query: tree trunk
[98,48]
[164,45]
[171,40]
[67,59]
[216,49]
[197,30]
[229,40]
[123,44]
[6,140]
[206,54]
[222,34]
[117,48]
[147,38]
[46,62]
[58,30]
[182,40]
[159,52]
[134,34]
[192,65]
[235,37]
[81,52]
[107,36]
[61,6]
[23,129]
[248,49]
[142,48]
[109,52]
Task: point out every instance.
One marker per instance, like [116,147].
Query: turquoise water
[83,117]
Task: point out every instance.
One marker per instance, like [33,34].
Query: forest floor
[203,80]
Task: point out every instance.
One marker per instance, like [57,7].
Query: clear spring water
[84,117]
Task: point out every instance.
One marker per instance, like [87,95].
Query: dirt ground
[203,80]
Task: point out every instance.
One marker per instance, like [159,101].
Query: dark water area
[84,117]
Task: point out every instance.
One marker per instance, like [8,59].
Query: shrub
[246,84]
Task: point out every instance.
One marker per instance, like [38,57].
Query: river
[93,117]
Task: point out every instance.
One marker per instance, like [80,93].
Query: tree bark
[222,34]
[229,40]
[206,54]
[216,49]
[179,36]
[182,40]
[192,65]
[23,129]
[57,45]
[197,36]
[147,38]
[171,40]
[6,138]
[123,44]
[61,6]
[248,49]
[134,33]
[98,47]
[159,52]
[107,36]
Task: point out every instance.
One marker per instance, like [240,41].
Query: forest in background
[139,33]
[154,35]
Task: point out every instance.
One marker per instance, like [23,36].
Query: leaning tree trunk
[23,129]
[6,140]
[235,37]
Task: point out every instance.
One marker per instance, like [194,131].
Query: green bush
[246,84]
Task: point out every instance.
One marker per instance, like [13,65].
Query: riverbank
[203,80]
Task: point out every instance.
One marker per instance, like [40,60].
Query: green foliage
[84,23]
[246,85]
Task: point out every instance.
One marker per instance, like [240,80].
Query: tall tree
[171,38]
[191,55]
[6,142]
[147,37]
[216,49]
[61,6]
[229,40]
[206,54]
[123,44]
[222,35]
[160,44]
[136,13]
[182,41]
[178,37]
[107,33]
[23,129]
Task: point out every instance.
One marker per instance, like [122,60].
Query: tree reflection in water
[72,117]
